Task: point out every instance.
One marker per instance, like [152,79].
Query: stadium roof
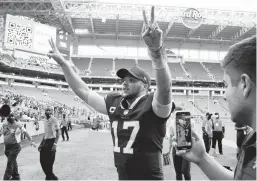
[102,19]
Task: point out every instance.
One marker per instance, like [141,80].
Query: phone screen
[183,130]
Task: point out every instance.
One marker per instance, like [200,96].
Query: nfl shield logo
[166,159]
[126,112]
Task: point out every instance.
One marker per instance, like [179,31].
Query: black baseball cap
[136,72]
[5,110]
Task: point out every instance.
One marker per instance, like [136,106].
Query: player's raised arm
[76,83]
[153,40]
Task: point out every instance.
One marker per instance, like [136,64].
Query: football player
[138,118]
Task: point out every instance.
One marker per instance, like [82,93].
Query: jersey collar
[131,106]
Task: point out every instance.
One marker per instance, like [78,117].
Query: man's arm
[214,170]
[27,135]
[223,128]
[203,125]
[163,80]
[23,130]
[171,137]
[162,102]
[57,136]
[57,129]
[76,83]
[1,130]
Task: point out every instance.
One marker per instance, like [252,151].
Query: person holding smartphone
[240,81]
[181,165]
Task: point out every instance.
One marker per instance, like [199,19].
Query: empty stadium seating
[101,67]
[215,69]
[196,70]
[124,63]
[147,65]
[176,70]
[81,63]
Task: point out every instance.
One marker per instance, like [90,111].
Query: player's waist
[138,158]
[146,150]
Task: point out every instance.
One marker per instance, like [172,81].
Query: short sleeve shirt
[51,125]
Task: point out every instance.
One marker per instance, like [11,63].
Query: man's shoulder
[113,98]
[113,95]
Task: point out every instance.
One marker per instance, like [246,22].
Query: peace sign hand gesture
[55,53]
[153,34]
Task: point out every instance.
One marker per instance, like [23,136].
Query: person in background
[47,148]
[217,134]
[64,126]
[69,123]
[207,131]
[12,138]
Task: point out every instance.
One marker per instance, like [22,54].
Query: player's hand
[53,148]
[197,152]
[55,53]
[153,34]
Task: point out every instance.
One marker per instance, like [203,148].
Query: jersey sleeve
[110,101]
[160,110]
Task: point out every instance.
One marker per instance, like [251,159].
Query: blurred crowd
[28,109]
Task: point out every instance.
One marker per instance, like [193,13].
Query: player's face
[131,86]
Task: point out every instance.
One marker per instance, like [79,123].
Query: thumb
[195,135]
[181,152]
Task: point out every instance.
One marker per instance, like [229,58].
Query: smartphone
[183,130]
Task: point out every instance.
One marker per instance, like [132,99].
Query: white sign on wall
[28,35]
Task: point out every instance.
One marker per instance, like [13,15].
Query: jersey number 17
[126,124]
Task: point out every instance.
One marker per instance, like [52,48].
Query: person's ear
[245,85]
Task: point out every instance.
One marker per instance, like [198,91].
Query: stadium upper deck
[124,21]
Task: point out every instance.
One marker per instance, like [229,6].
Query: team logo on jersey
[112,109]
[126,112]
